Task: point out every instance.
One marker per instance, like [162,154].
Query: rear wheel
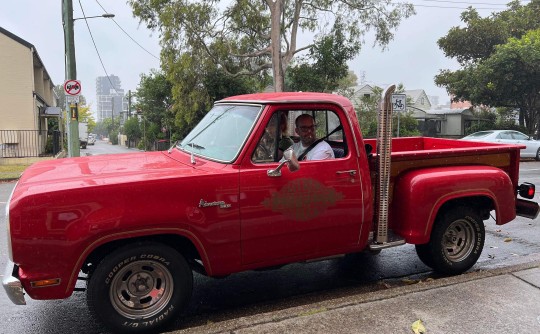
[140,288]
[456,241]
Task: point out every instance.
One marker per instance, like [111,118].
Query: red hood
[100,170]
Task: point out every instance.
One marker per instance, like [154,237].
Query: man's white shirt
[321,151]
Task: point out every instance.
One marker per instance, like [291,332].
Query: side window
[274,140]
[519,136]
[327,127]
[505,135]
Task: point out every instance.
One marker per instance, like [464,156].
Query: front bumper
[12,284]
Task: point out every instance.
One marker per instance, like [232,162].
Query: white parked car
[91,139]
[509,137]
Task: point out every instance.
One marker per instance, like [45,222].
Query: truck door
[317,210]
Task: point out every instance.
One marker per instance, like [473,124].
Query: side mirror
[290,159]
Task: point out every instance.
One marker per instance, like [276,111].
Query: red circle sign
[72,87]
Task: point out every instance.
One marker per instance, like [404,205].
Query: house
[418,98]
[364,91]
[28,98]
[448,123]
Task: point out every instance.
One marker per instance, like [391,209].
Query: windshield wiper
[172,146]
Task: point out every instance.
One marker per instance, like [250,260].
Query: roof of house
[16,38]
[447,111]
[414,93]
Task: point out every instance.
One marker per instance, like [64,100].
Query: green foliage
[346,85]
[500,119]
[132,129]
[113,138]
[239,37]
[326,65]
[109,127]
[500,57]
[154,102]
[408,125]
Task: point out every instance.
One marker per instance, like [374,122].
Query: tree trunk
[275,35]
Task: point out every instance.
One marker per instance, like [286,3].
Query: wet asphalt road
[264,291]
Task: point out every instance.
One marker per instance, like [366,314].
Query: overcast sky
[412,58]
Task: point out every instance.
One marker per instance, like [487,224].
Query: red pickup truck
[136,226]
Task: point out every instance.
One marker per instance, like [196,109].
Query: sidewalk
[505,300]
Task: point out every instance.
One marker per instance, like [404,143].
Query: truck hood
[100,170]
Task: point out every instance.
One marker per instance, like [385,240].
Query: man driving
[305,128]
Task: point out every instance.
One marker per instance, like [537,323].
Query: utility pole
[71,74]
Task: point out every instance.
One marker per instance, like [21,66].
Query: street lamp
[106,15]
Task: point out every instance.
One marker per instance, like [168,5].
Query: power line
[503,6]
[127,33]
[95,47]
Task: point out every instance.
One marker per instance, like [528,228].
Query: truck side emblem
[302,199]
[221,204]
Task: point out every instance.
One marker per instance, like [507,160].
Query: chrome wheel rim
[458,240]
[141,289]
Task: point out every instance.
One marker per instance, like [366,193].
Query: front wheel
[140,288]
[456,241]
[537,157]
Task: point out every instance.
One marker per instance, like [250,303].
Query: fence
[28,143]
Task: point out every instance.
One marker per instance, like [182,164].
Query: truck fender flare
[420,194]
[136,234]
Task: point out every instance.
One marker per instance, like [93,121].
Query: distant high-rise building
[110,97]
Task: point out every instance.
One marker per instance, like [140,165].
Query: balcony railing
[28,143]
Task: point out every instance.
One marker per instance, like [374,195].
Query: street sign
[72,87]
[72,99]
[399,102]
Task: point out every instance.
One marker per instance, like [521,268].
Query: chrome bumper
[12,285]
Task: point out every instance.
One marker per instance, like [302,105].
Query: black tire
[537,157]
[456,241]
[423,252]
[140,287]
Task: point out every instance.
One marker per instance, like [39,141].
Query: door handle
[351,172]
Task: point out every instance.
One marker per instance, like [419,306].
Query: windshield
[222,132]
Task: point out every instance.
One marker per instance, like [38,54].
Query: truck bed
[417,152]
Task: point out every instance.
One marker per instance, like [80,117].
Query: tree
[132,130]
[346,85]
[85,116]
[250,36]
[499,59]
[154,103]
[328,57]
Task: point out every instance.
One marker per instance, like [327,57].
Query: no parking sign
[72,87]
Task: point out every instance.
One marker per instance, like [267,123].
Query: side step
[393,241]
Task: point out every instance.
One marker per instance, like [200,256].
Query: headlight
[8,225]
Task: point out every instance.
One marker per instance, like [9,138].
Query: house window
[367,95]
